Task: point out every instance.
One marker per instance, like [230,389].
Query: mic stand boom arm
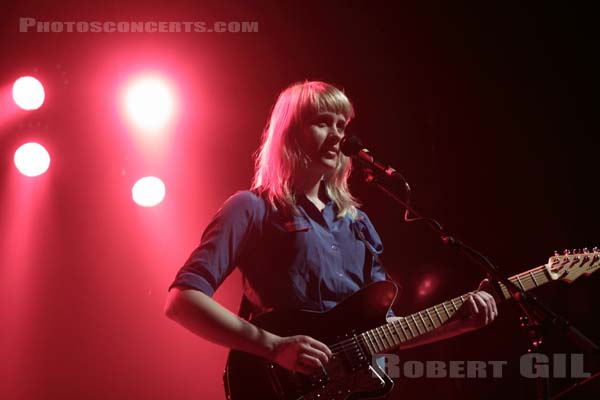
[535,314]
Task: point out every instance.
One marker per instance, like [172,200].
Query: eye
[320,122]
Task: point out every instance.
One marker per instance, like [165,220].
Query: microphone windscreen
[351,145]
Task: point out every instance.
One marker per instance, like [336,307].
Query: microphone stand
[537,319]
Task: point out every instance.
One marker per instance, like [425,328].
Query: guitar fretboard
[391,335]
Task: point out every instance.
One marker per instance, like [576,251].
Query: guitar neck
[391,335]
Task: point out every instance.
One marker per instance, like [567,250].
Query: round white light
[32,159]
[28,93]
[149,103]
[148,191]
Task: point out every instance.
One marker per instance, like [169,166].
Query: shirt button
[334,247]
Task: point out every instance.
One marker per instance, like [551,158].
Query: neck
[308,184]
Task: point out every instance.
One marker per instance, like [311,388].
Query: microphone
[352,147]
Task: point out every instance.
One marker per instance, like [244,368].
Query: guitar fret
[393,334]
[431,319]
[452,302]
[438,315]
[389,334]
[370,344]
[381,338]
[398,332]
[423,320]
[410,328]
[519,281]
[375,342]
[390,343]
[404,330]
[416,324]
[446,310]
[380,345]
[533,278]
[527,284]
[385,339]
[367,342]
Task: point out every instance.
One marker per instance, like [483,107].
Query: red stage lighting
[32,159]
[428,285]
[148,191]
[28,93]
[149,102]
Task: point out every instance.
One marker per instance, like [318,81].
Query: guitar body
[350,374]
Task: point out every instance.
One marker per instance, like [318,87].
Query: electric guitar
[356,330]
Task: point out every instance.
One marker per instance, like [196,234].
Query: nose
[337,133]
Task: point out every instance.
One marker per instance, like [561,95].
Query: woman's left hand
[479,309]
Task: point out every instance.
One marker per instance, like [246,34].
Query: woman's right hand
[300,353]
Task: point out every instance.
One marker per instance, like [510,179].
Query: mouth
[331,152]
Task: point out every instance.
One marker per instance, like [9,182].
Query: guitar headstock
[572,264]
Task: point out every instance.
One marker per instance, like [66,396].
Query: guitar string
[356,341]
[352,342]
[404,323]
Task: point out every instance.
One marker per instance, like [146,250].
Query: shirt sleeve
[222,245]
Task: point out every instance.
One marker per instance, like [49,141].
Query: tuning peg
[586,250]
[556,254]
[566,252]
[595,249]
[576,251]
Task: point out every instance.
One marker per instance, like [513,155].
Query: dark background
[487,110]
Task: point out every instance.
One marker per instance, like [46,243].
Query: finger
[483,308]
[494,306]
[320,346]
[472,306]
[313,352]
[309,361]
[491,305]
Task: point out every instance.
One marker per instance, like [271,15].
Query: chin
[328,165]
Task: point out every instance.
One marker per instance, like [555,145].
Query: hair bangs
[319,97]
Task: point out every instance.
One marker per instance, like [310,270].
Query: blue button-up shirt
[310,261]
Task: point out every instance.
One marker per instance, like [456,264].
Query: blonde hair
[280,154]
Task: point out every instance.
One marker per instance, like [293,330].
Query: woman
[293,236]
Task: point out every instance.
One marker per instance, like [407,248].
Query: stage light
[429,284]
[28,93]
[32,159]
[149,103]
[148,191]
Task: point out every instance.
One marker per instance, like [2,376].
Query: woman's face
[320,139]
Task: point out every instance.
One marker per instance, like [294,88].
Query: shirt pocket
[288,245]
